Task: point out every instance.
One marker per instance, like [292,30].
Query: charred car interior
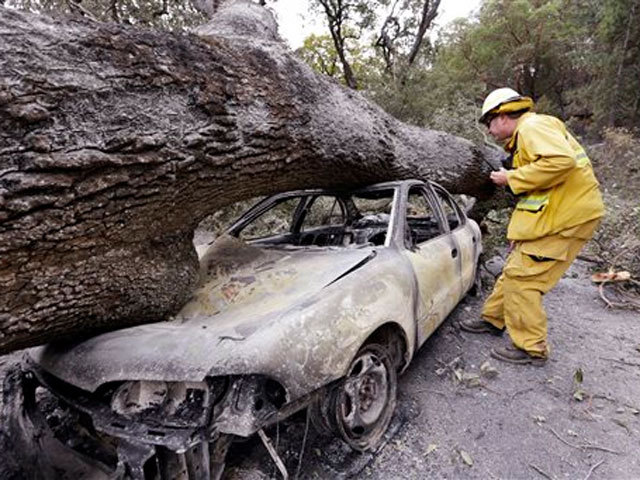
[313,299]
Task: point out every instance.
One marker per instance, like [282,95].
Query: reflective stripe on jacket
[554,178]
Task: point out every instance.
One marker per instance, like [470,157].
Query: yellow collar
[510,146]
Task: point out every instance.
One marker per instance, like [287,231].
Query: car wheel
[364,404]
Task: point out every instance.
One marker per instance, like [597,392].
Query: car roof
[337,191]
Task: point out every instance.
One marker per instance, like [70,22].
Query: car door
[434,256]
[462,234]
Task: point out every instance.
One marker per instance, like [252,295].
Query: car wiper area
[358,265]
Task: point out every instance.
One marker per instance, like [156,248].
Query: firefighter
[558,208]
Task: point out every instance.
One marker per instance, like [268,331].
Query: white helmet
[497,98]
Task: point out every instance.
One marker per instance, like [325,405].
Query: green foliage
[319,52]
[494,238]
[617,64]
[616,244]
[525,44]
[579,59]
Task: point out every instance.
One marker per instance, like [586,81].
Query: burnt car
[313,299]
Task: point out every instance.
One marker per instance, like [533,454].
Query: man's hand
[499,177]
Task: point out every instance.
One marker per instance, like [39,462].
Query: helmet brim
[518,103]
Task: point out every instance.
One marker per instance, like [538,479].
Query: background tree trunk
[115,142]
[429,12]
[337,12]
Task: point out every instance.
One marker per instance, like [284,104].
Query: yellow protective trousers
[516,300]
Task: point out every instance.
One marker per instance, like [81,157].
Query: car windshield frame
[307,197]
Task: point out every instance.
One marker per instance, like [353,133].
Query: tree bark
[115,142]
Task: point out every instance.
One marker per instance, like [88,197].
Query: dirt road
[459,419]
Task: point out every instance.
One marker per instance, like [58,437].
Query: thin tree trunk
[335,16]
[429,12]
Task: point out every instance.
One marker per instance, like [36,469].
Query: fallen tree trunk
[115,142]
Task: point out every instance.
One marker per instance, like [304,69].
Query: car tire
[363,405]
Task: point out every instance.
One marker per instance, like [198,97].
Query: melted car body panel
[439,286]
[286,303]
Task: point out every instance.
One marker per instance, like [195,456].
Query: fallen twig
[629,301]
[597,447]
[591,470]
[75,5]
[431,390]
[304,443]
[604,396]
[624,362]
[601,291]
[486,387]
[588,259]
[521,391]
[632,301]
[620,423]
[555,390]
[274,454]
[541,472]
[562,439]
[632,407]
[585,446]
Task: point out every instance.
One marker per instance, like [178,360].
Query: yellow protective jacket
[553,178]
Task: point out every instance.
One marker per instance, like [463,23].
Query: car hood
[226,328]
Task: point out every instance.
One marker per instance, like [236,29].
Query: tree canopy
[579,59]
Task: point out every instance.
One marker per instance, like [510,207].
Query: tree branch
[429,12]
[116,142]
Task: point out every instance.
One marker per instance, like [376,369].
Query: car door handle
[454,252]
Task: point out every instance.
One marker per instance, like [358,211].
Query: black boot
[512,354]
[479,326]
